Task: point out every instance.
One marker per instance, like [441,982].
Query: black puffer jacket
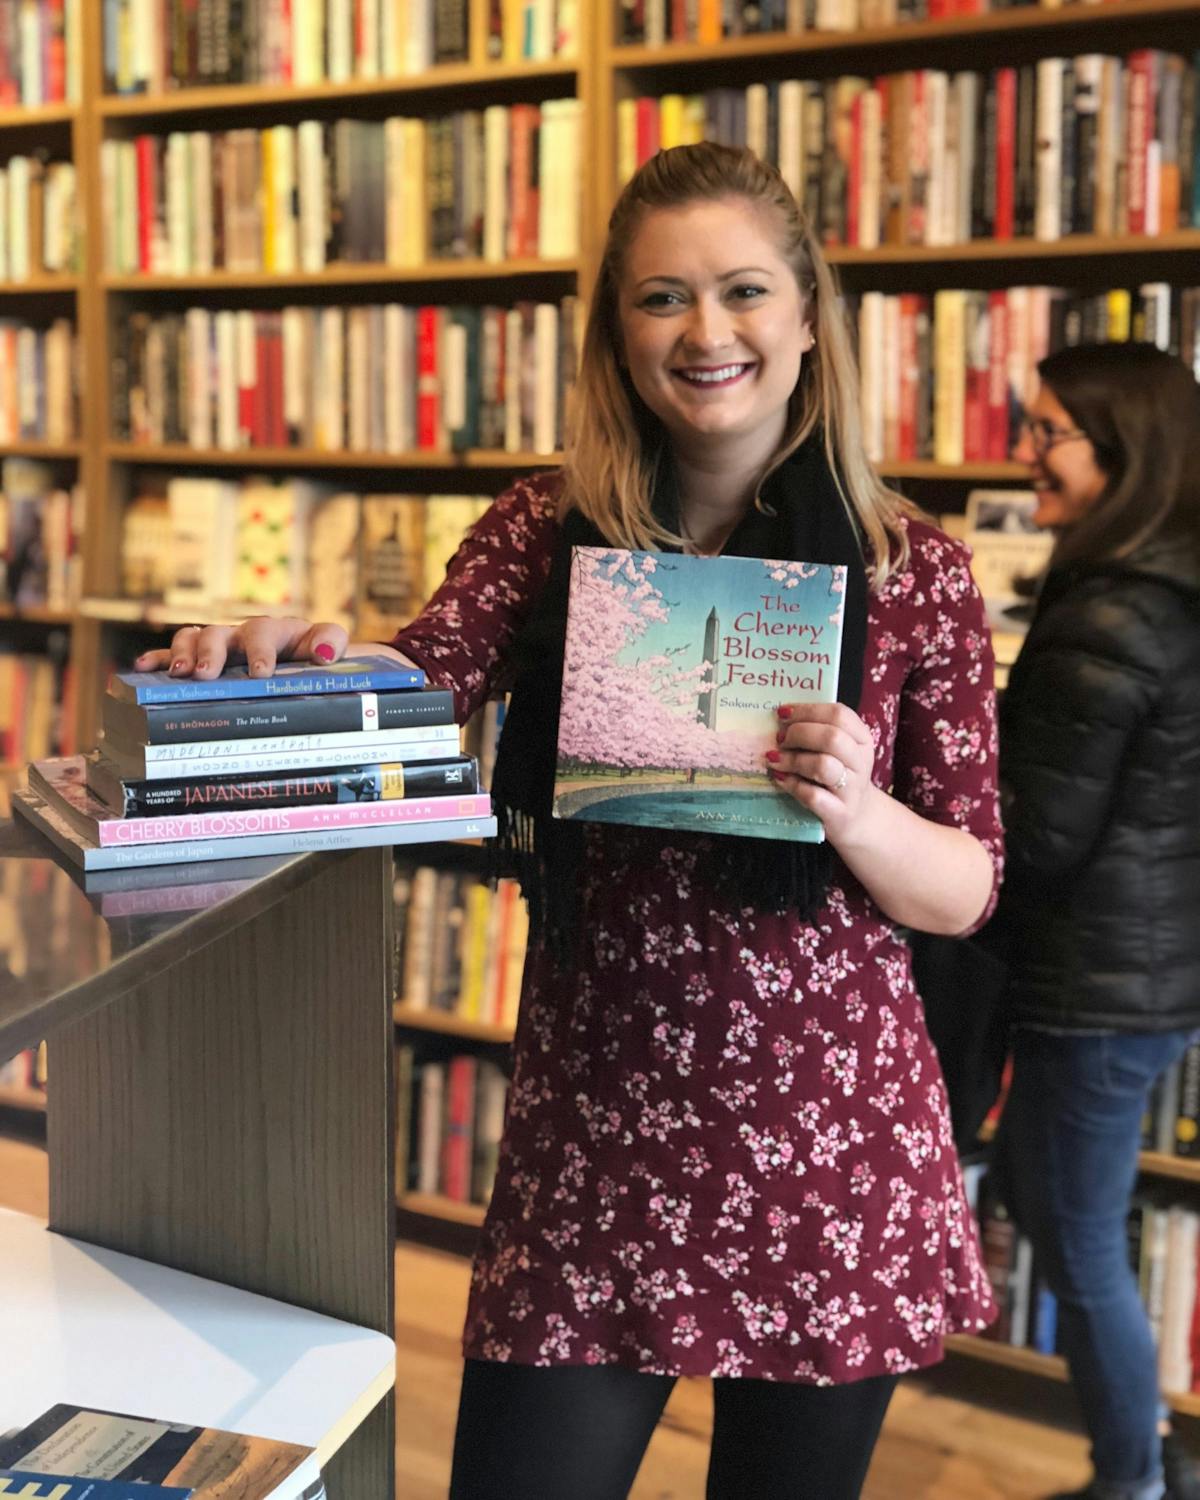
[1100,769]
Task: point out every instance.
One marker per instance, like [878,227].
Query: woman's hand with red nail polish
[262,642]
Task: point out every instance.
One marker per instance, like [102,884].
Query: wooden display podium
[220,1079]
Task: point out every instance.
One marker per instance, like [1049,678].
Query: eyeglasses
[1044,435]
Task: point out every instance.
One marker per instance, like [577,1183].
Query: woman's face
[1062,462]
[713,324]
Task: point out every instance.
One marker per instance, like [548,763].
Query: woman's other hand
[204,651]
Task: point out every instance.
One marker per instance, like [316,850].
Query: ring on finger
[840,783]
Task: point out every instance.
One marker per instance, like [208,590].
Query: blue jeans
[1066,1163]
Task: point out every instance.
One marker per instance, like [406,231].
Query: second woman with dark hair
[1100,771]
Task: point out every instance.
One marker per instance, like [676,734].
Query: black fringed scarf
[803,519]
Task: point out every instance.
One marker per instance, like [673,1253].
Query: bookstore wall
[288,291]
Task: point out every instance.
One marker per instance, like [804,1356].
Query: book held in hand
[84,1453]
[674,669]
[361,674]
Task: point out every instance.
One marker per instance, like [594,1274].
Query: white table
[96,1328]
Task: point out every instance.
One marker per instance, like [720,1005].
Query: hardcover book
[674,669]
[320,713]
[353,674]
[109,1455]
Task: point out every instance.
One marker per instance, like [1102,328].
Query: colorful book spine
[191,851]
[353,675]
[119,833]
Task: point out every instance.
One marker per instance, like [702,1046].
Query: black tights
[578,1432]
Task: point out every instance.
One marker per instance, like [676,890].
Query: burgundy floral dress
[727,1149]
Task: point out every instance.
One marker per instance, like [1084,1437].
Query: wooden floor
[968,1433]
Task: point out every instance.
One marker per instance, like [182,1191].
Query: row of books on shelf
[1163,1257]
[40,52]
[1065,145]
[364,561]
[26,1071]
[945,377]
[498,183]
[41,536]
[653,23]
[39,382]
[152,46]
[461,945]
[364,378]
[39,218]
[36,691]
[449,1118]
[1171,1124]
[192,770]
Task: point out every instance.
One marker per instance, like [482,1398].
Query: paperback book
[84,1453]
[89,855]
[674,669]
[353,674]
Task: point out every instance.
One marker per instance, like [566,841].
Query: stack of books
[361,752]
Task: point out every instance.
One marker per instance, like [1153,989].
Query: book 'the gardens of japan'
[675,667]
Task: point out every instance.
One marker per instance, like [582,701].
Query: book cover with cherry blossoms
[674,669]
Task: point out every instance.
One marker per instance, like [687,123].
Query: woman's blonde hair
[615,443]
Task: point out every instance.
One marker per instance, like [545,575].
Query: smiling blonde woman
[727,1151]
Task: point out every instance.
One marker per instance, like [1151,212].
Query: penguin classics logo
[20,1488]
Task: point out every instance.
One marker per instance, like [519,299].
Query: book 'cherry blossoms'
[674,669]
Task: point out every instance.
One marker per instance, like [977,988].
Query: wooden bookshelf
[996,26]
[1047,1366]
[28,1100]
[345,275]
[434,1206]
[1180,1168]
[447,78]
[177,454]
[973,473]
[41,286]
[32,448]
[37,116]
[1070,246]
[446,1023]
[37,614]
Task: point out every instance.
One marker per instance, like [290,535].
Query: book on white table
[109,1332]
[119,1454]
